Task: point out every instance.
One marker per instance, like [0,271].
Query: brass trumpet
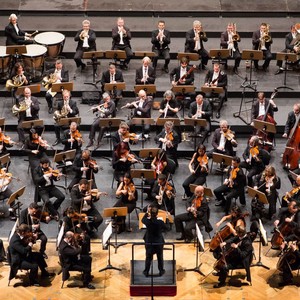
[235,37]
[266,38]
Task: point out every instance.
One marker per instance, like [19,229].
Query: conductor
[154,240]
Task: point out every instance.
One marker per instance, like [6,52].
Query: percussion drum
[34,60]
[4,64]
[53,40]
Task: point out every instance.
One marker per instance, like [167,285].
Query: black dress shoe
[166,69]
[162,272]
[89,286]
[146,273]
[218,115]
[50,110]
[181,238]
[44,255]
[34,283]
[83,66]
[220,284]
[219,203]
[279,71]
[47,274]
[58,141]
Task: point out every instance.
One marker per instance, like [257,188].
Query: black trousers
[150,251]
[190,224]
[193,179]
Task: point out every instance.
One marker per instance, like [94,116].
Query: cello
[266,138]
[291,153]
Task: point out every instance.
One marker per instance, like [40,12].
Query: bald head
[199,191]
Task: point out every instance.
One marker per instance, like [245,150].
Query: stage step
[154,285]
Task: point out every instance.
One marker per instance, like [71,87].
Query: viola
[76,135]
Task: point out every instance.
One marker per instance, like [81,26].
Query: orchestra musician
[54,75]
[72,139]
[154,240]
[74,259]
[238,252]
[268,183]
[112,75]
[18,77]
[86,41]
[22,256]
[28,109]
[122,161]
[168,106]
[262,40]
[84,201]
[105,109]
[253,159]
[168,140]
[183,75]
[194,39]
[84,167]
[123,135]
[294,193]
[65,109]
[44,177]
[76,223]
[163,195]
[33,216]
[161,40]
[201,109]
[121,36]
[5,142]
[229,40]
[145,74]
[233,186]
[292,45]
[223,140]
[6,192]
[14,35]
[198,168]
[35,147]
[142,109]
[128,196]
[217,78]
[197,212]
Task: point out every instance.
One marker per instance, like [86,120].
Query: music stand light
[148,88]
[142,174]
[264,126]
[59,87]
[15,196]
[68,121]
[114,212]
[142,122]
[144,53]
[195,123]
[32,123]
[34,88]
[189,56]
[287,57]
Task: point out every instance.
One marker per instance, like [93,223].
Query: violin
[254,151]
[76,135]
[196,203]
[130,191]
[30,237]
[81,217]
[131,136]
[232,177]
[41,216]
[55,173]
[229,135]
[5,139]
[203,162]
[291,193]
[92,163]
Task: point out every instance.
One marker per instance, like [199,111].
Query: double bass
[291,153]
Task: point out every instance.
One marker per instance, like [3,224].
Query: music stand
[148,88]
[15,196]
[112,87]
[195,123]
[110,123]
[257,194]
[263,240]
[68,121]
[115,212]
[63,159]
[252,55]
[4,160]
[212,89]
[142,122]
[183,89]
[116,55]
[219,54]
[144,53]
[93,55]
[32,123]
[189,56]
[106,244]
[34,88]
[292,57]
[2,121]
[199,247]
[59,87]
[161,215]
[264,126]
[147,155]
[162,121]
[223,160]
[143,174]
[15,51]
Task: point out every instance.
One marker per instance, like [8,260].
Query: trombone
[265,38]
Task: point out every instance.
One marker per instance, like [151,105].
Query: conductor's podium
[153,285]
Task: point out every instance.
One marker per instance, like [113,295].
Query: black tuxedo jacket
[156,43]
[64,74]
[91,41]
[12,38]
[106,77]
[35,107]
[256,41]
[154,230]
[116,37]
[225,39]
[73,106]
[188,80]
[139,76]
[216,140]
[290,122]
[222,78]
[190,43]
[77,199]
[145,110]
[255,109]
[206,107]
